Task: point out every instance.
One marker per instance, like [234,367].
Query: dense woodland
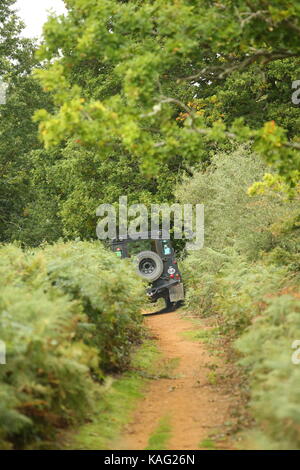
[159,100]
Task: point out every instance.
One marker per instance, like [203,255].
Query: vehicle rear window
[136,246]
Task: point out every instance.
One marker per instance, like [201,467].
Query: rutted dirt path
[195,407]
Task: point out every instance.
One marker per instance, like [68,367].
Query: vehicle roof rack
[149,235]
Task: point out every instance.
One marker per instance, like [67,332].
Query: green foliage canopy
[160,54]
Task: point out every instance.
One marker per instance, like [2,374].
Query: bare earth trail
[193,405]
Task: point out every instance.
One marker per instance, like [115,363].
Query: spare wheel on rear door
[149,265]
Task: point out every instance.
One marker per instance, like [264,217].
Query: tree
[18,132]
[68,184]
[161,54]
[11,45]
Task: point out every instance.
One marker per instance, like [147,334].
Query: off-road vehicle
[156,263]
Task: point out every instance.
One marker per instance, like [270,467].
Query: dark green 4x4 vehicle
[156,263]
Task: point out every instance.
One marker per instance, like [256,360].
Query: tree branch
[221,72]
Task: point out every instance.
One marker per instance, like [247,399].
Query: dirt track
[195,407]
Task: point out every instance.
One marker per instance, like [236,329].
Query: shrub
[110,294]
[233,218]
[248,276]
[258,306]
[68,313]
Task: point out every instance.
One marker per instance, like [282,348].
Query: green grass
[117,401]
[160,437]
[167,367]
[202,335]
[207,443]
[212,377]
[146,357]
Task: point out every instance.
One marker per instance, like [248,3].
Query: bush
[248,277]
[275,381]
[110,293]
[233,218]
[226,284]
[68,313]
[257,306]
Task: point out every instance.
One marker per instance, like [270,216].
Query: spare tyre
[149,265]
